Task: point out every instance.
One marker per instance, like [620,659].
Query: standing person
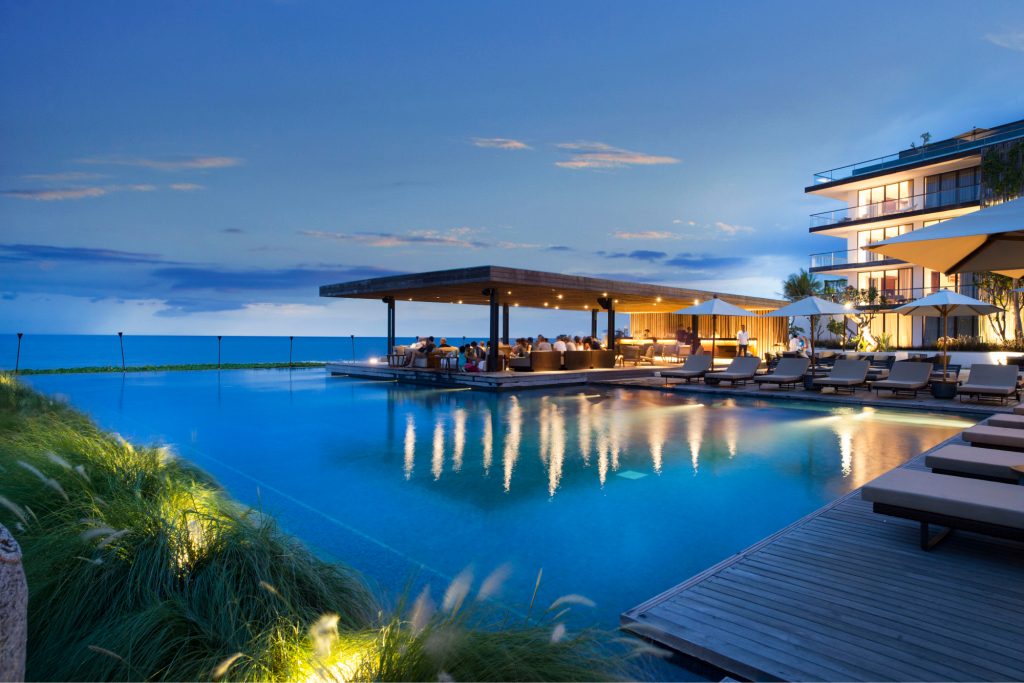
[742,340]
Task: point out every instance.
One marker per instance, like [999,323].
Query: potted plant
[945,387]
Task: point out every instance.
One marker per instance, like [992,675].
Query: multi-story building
[895,194]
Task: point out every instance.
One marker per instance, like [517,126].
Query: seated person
[474,354]
[559,344]
[427,348]
[521,349]
[542,344]
[411,350]
[570,345]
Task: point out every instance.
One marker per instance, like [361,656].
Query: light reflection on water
[566,430]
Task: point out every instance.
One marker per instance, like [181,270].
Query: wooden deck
[487,381]
[848,595]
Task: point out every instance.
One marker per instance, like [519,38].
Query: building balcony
[941,200]
[974,140]
[886,298]
[848,259]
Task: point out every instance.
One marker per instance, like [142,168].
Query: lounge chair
[905,377]
[740,371]
[1011,421]
[788,372]
[977,463]
[984,507]
[994,437]
[990,382]
[880,368]
[846,374]
[693,369]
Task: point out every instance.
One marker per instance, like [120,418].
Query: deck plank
[845,594]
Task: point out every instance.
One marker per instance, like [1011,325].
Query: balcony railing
[914,155]
[890,298]
[939,199]
[849,258]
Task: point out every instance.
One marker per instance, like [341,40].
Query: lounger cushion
[984,462]
[1006,437]
[1010,421]
[895,384]
[776,378]
[835,382]
[981,501]
[987,389]
[1018,410]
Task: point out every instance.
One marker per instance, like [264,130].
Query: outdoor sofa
[693,369]
[991,382]
[977,463]
[984,507]
[740,371]
[537,361]
[907,377]
[846,374]
[788,372]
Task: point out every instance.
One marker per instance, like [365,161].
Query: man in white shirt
[742,340]
[570,345]
[411,350]
[542,343]
[559,345]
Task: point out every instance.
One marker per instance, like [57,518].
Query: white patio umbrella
[714,307]
[811,307]
[988,240]
[943,304]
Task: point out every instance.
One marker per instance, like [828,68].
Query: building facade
[892,195]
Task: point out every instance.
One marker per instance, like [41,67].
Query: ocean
[47,351]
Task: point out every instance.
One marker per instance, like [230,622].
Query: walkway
[845,594]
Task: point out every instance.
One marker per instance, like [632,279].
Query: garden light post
[291,341]
[352,338]
[120,337]
[218,351]
[17,358]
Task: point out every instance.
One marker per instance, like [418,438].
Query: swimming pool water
[616,494]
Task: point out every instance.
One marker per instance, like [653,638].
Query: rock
[13,609]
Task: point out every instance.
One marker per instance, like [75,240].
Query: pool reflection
[554,438]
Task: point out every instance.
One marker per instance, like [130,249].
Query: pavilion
[501,289]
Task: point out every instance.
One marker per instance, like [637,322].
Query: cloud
[699,262]
[500,143]
[233,231]
[63,176]
[46,194]
[640,255]
[195,278]
[559,247]
[1013,40]
[172,163]
[186,187]
[454,237]
[731,229]
[646,235]
[28,253]
[55,195]
[601,155]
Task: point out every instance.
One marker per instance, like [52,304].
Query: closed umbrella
[714,307]
[811,307]
[943,304]
[988,240]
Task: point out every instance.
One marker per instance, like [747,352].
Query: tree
[801,285]
[996,290]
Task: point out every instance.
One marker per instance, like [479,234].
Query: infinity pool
[616,494]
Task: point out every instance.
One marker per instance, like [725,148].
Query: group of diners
[427,352]
[563,342]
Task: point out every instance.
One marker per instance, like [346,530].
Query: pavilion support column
[504,323]
[593,322]
[492,342]
[390,301]
[608,304]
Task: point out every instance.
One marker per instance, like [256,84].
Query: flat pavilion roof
[533,289]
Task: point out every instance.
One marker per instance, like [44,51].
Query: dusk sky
[201,168]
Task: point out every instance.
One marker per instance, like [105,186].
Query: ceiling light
[559,296]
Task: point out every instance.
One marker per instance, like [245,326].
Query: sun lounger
[846,374]
[740,371]
[905,377]
[978,463]
[984,507]
[693,369]
[789,372]
[990,382]
[1011,421]
[994,437]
